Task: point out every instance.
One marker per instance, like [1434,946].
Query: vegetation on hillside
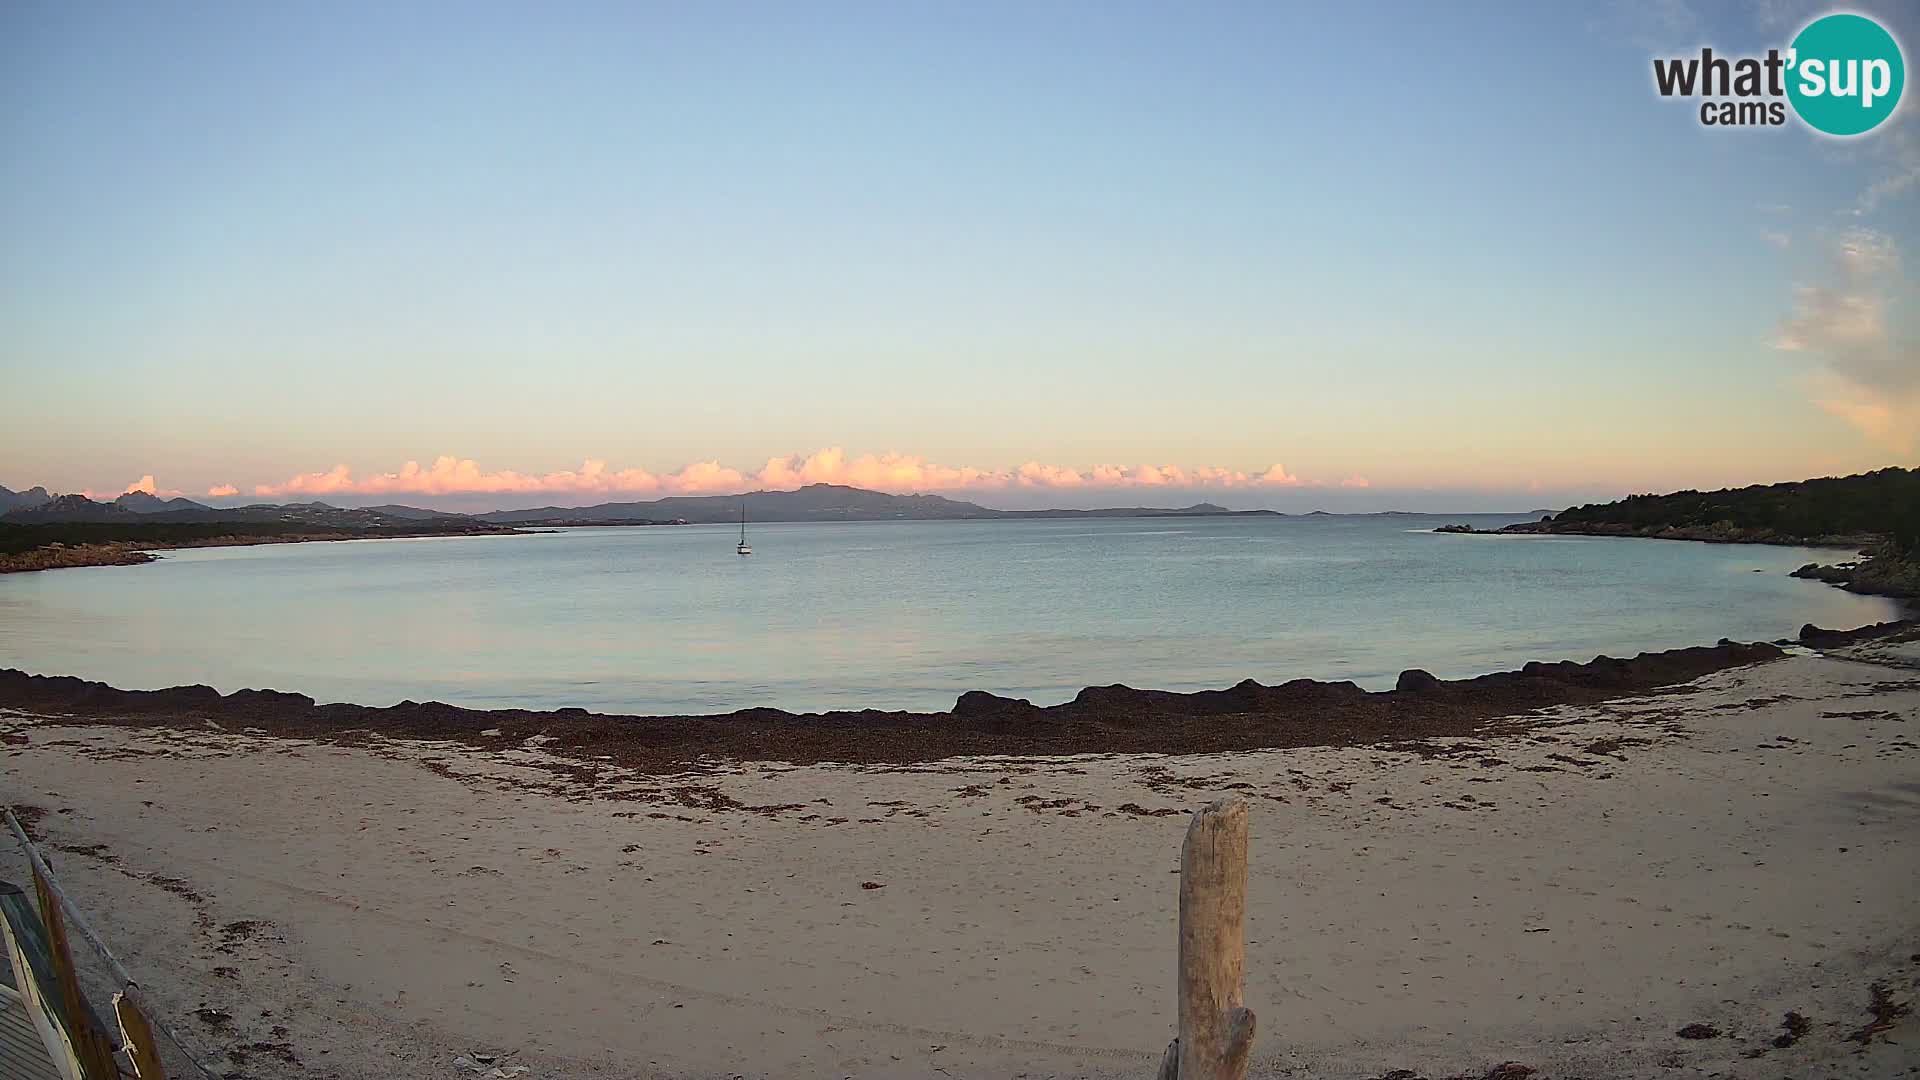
[17,538]
[1883,504]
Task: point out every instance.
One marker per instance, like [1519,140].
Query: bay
[895,615]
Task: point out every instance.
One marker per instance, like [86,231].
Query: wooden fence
[78,1041]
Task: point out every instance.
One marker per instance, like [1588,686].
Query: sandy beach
[1566,889]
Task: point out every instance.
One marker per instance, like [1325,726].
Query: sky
[1357,256]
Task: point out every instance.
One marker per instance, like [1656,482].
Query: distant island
[1875,513]
[822,502]
[42,531]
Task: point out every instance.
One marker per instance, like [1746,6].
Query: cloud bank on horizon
[892,472]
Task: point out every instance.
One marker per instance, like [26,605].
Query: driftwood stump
[1216,1030]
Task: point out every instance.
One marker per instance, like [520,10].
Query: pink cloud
[1278,477]
[880,472]
[1868,371]
[893,472]
[221,491]
[1035,474]
[705,477]
[455,476]
[145,485]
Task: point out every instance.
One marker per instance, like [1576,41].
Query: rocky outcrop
[1835,574]
[1884,572]
[1814,637]
[976,703]
[1416,681]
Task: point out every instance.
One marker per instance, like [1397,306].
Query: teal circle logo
[1845,74]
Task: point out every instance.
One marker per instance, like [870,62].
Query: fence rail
[136,1015]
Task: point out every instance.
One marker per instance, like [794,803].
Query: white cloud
[1865,375]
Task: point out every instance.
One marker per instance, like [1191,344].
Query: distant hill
[142,503]
[815,502]
[71,509]
[12,500]
[1196,510]
[1883,504]
[410,513]
[820,502]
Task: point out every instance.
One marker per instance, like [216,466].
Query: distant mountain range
[820,502]
[815,502]
[37,501]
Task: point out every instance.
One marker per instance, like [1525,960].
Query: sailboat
[743,547]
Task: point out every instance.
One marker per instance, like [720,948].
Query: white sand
[1438,915]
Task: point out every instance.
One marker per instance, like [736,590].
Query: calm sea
[893,614]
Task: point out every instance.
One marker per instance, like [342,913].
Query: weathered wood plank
[91,1047]
[1216,1029]
[137,1036]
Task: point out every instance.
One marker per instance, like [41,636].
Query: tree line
[1884,503]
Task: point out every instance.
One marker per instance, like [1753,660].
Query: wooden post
[138,1036]
[1216,1030]
[91,1047]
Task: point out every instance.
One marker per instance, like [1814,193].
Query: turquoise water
[893,614]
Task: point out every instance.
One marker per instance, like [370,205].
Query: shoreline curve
[1100,719]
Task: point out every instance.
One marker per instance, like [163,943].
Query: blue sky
[1466,251]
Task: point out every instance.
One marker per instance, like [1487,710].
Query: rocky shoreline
[1880,571]
[1717,534]
[61,556]
[67,556]
[1101,719]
